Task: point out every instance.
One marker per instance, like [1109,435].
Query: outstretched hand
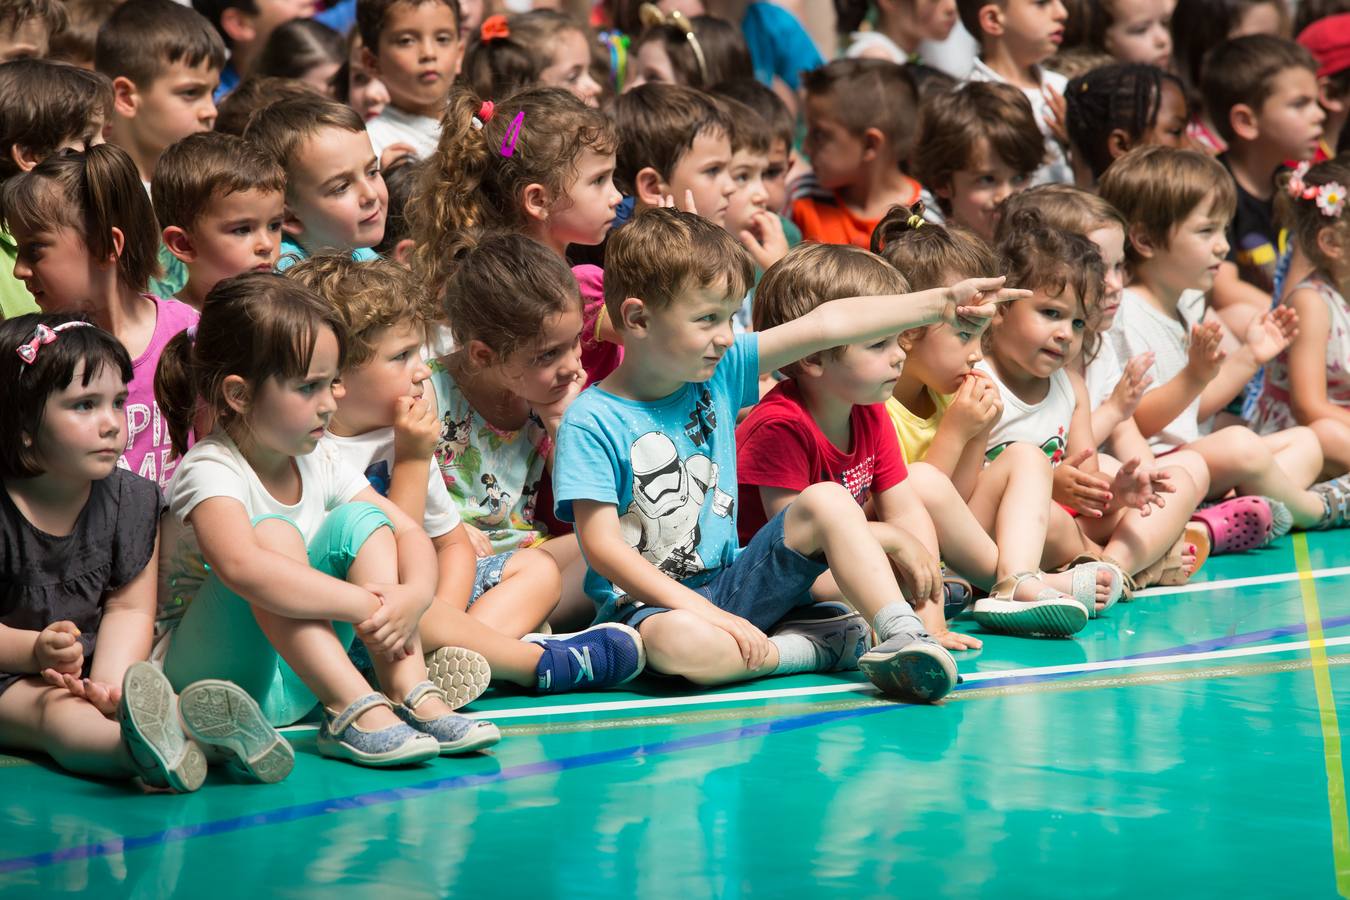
[1269,335]
[1086,492]
[1134,382]
[1138,486]
[972,302]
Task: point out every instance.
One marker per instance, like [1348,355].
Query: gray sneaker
[222,714]
[462,674]
[148,714]
[911,666]
[839,634]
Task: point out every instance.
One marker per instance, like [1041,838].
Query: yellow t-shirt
[916,434]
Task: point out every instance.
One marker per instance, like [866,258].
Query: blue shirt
[668,466]
[779,45]
[292,253]
[229,80]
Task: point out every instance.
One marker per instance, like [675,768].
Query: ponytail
[174,390]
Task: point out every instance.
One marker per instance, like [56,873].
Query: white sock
[897,618]
[795,654]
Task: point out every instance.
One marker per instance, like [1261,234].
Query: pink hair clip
[485,114]
[42,335]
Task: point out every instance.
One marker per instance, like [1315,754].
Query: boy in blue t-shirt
[646,467]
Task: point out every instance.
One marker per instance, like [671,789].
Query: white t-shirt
[394,126]
[1056,168]
[1106,369]
[1140,327]
[214,467]
[373,453]
[1044,424]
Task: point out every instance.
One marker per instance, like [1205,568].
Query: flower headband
[1330,197]
[493,28]
[651,16]
[42,335]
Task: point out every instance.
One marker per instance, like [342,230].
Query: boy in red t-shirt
[836,399]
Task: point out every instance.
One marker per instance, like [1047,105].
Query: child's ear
[1329,242]
[119,241]
[873,141]
[812,366]
[403,252]
[1118,143]
[236,393]
[633,316]
[535,201]
[290,224]
[238,25]
[370,60]
[1243,120]
[1142,243]
[990,17]
[1327,95]
[650,187]
[125,96]
[943,190]
[481,355]
[24,158]
[180,244]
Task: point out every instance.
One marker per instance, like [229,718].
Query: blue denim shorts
[766,582]
[489,574]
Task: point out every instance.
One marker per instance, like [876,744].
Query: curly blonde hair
[468,186]
[368,296]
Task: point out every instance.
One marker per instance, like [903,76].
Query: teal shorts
[218,636]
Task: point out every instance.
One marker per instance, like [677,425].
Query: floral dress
[1273,412]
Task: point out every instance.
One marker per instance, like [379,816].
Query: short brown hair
[952,125]
[664,252]
[252,94]
[1156,188]
[969,11]
[870,93]
[13,13]
[92,193]
[368,296]
[1243,70]
[203,168]
[1062,206]
[1040,257]
[371,16]
[749,133]
[503,289]
[657,126]
[280,129]
[142,38]
[75,43]
[931,255]
[765,103]
[814,274]
[44,104]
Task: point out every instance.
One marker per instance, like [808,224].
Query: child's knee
[1021,456]
[932,486]
[1193,465]
[281,536]
[678,642]
[536,567]
[1243,450]
[823,502]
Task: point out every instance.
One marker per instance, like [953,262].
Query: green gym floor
[1189,742]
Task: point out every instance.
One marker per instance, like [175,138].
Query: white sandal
[1052,613]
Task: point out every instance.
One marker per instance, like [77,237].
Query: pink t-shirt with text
[148,448]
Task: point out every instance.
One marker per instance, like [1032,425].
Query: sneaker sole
[1023,619]
[917,674]
[462,674]
[424,749]
[538,638]
[149,720]
[222,714]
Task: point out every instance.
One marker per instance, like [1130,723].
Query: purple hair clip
[42,335]
[513,134]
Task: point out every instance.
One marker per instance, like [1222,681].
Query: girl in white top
[1309,383]
[905,31]
[1031,343]
[277,556]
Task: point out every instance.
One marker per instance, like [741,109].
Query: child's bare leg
[678,642]
[1238,458]
[1138,541]
[1298,452]
[524,597]
[574,610]
[1064,540]
[37,716]
[511,660]
[1011,501]
[964,542]
[311,647]
[1334,437]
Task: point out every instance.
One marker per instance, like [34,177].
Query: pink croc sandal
[1243,523]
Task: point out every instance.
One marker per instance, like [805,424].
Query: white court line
[1201,586]
[851,688]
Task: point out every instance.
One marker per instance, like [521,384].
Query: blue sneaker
[602,656]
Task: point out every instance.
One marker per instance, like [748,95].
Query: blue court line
[544,767]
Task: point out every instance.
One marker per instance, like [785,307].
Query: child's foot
[398,744]
[148,713]
[1242,523]
[1335,496]
[1049,612]
[1281,519]
[838,634]
[454,733]
[1071,583]
[461,674]
[222,714]
[910,666]
[601,656]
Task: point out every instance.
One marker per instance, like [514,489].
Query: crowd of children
[358,357]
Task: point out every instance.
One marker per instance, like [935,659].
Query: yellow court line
[1331,729]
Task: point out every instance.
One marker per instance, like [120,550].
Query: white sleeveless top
[1044,424]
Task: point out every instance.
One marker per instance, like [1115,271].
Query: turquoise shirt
[292,253]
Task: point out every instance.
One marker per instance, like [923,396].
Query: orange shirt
[829,221]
